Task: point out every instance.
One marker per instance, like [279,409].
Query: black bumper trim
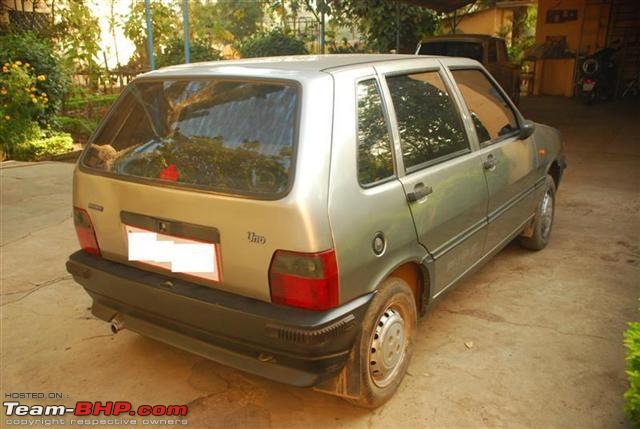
[294,346]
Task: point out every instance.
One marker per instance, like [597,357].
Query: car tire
[543,219]
[385,344]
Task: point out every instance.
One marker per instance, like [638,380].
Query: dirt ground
[546,327]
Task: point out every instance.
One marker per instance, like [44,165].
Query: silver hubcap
[546,214]
[388,347]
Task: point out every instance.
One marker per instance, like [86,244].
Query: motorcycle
[597,76]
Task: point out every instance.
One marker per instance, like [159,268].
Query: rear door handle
[419,192]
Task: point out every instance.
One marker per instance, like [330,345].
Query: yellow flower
[32,89]
[42,77]
[3,91]
[34,100]
[18,63]
[5,69]
[15,66]
[27,65]
[7,117]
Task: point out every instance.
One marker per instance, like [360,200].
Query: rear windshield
[225,135]
[453,49]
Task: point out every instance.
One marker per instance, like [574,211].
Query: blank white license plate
[587,86]
[175,254]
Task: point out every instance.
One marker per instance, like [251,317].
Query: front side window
[375,158]
[228,136]
[428,121]
[492,115]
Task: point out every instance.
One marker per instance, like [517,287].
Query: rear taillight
[85,231]
[304,280]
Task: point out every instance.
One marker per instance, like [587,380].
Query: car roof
[284,66]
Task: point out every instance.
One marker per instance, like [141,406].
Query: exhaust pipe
[117,324]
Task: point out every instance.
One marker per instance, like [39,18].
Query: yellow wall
[571,29]
[489,21]
[486,22]
[554,77]
[587,34]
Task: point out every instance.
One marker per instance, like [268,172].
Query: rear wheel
[385,344]
[543,220]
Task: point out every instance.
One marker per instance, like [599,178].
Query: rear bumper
[289,345]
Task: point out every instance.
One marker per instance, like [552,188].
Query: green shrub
[632,396]
[271,44]
[38,53]
[199,51]
[94,101]
[79,128]
[48,144]
[20,105]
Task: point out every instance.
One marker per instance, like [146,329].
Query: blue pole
[185,22]
[147,10]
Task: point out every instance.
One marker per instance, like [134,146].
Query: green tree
[174,52]
[77,34]
[273,43]
[113,23]
[166,21]
[376,21]
[224,22]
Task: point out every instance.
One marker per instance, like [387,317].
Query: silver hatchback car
[293,216]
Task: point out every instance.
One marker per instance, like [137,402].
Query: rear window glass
[228,136]
[453,49]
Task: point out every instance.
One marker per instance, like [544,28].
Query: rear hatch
[201,170]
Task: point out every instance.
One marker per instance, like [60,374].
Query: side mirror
[527,129]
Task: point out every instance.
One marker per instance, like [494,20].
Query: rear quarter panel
[356,214]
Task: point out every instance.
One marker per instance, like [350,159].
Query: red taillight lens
[304,280]
[85,231]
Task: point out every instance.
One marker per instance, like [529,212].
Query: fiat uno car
[292,217]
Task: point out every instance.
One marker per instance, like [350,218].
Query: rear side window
[453,49]
[223,135]
[428,121]
[492,115]
[375,159]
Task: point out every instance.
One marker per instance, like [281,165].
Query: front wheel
[385,345]
[543,219]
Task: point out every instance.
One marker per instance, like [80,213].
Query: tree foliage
[199,51]
[77,33]
[166,22]
[376,22]
[229,21]
[273,43]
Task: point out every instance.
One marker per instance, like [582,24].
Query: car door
[441,175]
[509,161]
